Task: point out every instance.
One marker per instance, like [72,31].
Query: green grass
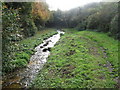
[25,48]
[79,60]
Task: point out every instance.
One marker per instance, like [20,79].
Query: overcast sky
[67,4]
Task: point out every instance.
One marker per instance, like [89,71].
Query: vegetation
[85,57]
[18,24]
[24,49]
[80,60]
[40,14]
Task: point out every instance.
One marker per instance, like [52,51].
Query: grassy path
[82,59]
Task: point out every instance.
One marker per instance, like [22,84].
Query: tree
[114,27]
[41,14]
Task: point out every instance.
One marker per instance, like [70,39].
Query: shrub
[23,55]
[19,62]
[29,27]
[114,27]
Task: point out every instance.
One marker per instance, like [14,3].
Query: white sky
[67,4]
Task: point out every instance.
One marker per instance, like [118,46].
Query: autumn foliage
[40,10]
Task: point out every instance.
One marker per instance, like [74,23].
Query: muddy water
[23,78]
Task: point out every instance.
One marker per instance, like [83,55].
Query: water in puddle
[23,78]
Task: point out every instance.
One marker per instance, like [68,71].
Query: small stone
[41,46]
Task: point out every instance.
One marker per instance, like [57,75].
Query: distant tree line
[102,17]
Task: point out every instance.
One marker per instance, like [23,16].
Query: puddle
[23,78]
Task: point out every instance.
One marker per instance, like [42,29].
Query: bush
[30,52]
[19,63]
[23,55]
[13,64]
[81,26]
[29,27]
[114,27]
